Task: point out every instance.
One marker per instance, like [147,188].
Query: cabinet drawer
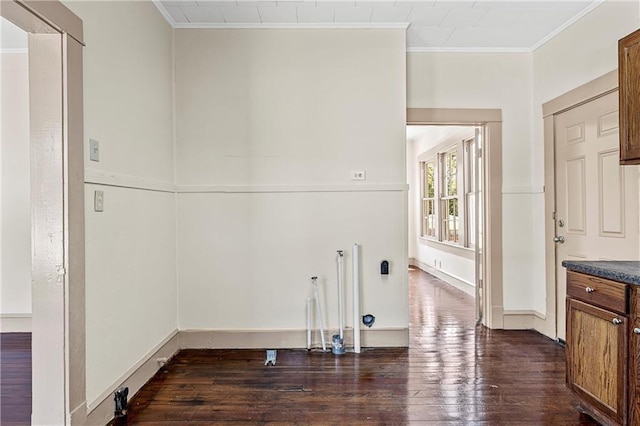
[598,291]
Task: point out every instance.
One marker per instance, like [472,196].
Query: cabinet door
[596,358]
[634,358]
[629,84]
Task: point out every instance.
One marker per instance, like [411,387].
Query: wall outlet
[358,175]
[94,150]
[98,201]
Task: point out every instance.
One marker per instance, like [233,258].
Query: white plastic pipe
[309,323]
[341,293]
[319,312]
[356,298]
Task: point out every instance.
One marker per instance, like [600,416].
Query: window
[428,199]
[448,192]
[449,197]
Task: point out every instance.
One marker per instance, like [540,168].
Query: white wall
[586,50]
[503,81]
[130,247]
[583,52]
[15,225]
[454,262]
[295,110]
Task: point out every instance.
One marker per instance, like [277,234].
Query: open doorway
[445,230]
[15,213]
[445,221]
[15,227]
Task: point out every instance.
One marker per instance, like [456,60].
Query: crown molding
[573,20]
[468,50]
[167,16]
[309,26]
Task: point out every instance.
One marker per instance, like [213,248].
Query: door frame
[58,294]
[491,119]
[588,92]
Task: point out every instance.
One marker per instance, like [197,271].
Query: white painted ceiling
[434,135]
[450,25]
[11,37]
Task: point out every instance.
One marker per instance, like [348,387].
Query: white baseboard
[522,319]
[79,415]
[15,323]
[546,325]
[456,282]
[385,338]
[242,339]
[101,409]
[286,339]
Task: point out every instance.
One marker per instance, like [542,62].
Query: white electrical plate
[358,175]
[94,150]
[98,201]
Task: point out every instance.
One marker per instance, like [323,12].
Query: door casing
[491,120]
[601,86]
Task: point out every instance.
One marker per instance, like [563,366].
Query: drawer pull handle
[589,290]
[617,321]
[636,330]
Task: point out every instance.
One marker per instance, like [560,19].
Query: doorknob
[559,239]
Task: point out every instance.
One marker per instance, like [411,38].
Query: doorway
[443,173]
[15,216]
[592,208]
[487,251]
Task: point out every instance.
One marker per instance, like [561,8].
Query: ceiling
[437,134]
[12,38]
[434,25]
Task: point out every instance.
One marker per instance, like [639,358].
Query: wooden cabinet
[602,348]
[634,358]
[596,358]
[629,91]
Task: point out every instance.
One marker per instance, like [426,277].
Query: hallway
[454,373]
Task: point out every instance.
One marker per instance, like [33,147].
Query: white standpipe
[309,323]
[356,298]
[341,293]
[314,283]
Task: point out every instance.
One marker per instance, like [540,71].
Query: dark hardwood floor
[454,373]
[15,379]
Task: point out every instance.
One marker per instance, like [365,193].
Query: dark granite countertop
[624,271]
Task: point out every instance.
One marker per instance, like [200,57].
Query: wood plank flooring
[454,373]
[15,379]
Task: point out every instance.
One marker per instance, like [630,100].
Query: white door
[596,198]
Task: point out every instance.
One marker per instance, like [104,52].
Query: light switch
[94,150]
[98,201]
